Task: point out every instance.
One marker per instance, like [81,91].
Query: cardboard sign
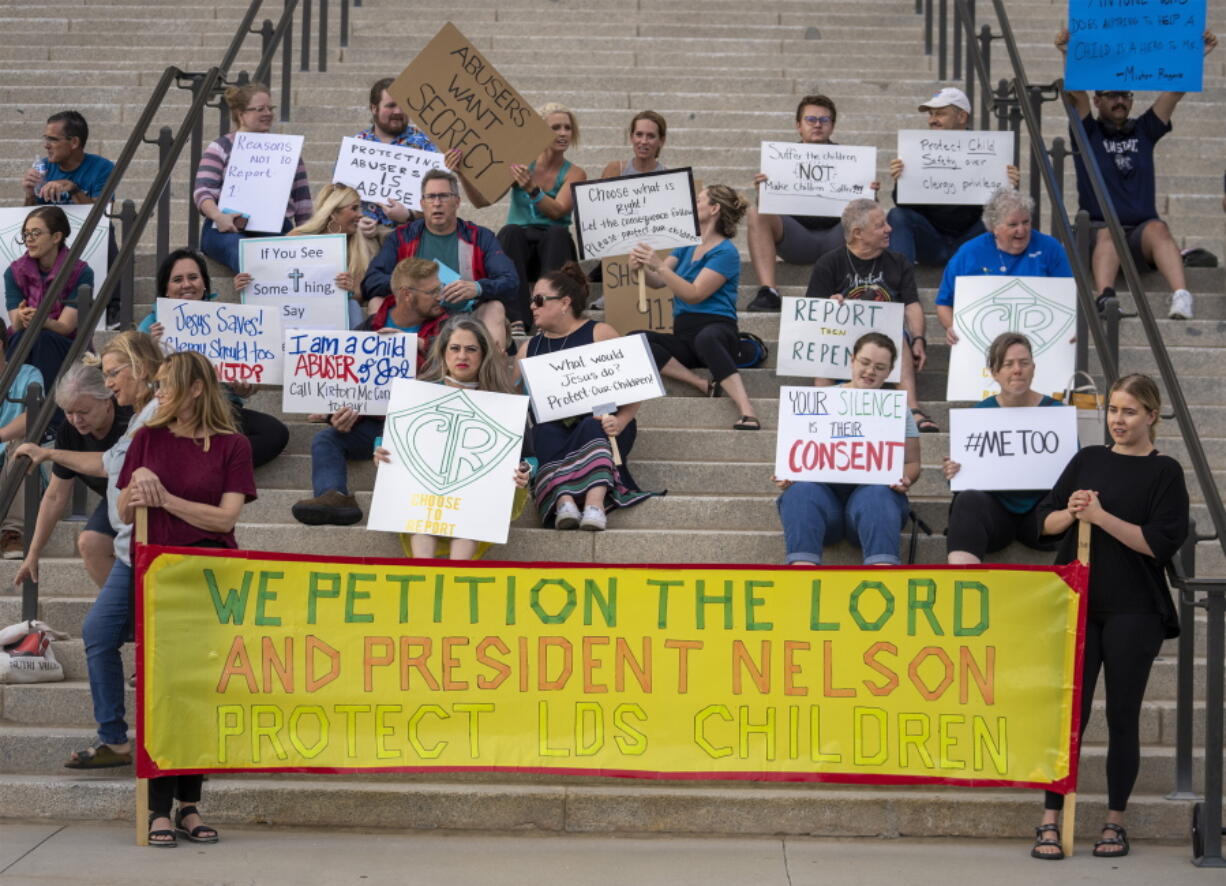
[325,371]
[841,435]
[297,275]
[613,215]
[243,342]
[953,166]
[457,98]
[382,172]
[574,380]
[259,177]
[806,179]
[1044,309]
[816,335]
[1015,448]
[12,219]
[454,453]
[1145,44]
[621,298]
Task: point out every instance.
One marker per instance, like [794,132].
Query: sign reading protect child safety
[841,435]
[574,381]
[243,342]
[297,276]
[381,172]
[816,335]
[953,166]
[259,177]
[613,215]
[1018,448]
[806,179]
[454,452]
[1141,44]
[1044,309]
[326,371]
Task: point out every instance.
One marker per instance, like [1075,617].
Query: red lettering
[326,366]
[239,372]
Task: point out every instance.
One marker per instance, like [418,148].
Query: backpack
[751,351]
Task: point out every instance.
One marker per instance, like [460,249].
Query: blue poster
[1153,45]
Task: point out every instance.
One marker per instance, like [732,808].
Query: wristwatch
[535,192]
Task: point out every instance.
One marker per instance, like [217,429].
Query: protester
[338,210]
[1123,148]
[536,237]
[648,130]
[389,125]
[1009,247]
[984,522]
[869,516]
[576,454]
[68,174]
[251,110]
[12,430]
[703,280]
[867,269]
[94,423]
[1136,505]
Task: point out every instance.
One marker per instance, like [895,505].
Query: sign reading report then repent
[841,435]
[1136,44]
[613,215]
[814,179]
[243,342]
[382,172]
[259,177]
[1017,448]
[952,166]
[326,371]
[575,380]
[816,335]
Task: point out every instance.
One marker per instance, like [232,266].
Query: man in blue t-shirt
[1123,148]
[68,175]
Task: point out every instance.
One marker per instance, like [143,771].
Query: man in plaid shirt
[388,124]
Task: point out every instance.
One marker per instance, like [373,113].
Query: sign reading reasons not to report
[297,276]
[816,335]
[1044,309]
[575,380]
[457,98]
[326,371]
[243,342]
[621,298]
[381,172]
[1137,44]
[265,662]
[259,177]
[454,454]
[1017,448]
[841,435]
[806,179]
[613,215]
[953,166]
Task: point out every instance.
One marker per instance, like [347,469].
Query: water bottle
[40,166]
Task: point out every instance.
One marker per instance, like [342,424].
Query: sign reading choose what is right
[613,215]
[575,381]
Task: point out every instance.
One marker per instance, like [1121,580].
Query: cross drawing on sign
[296,275]
[1015,307]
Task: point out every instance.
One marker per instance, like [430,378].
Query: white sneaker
[1181,305]
[594,520]
[566,516]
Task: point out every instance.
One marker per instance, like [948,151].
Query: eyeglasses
[825,120]
[114,372]
[430,293]
[538,301]
[1127,96]
[262,109]
[438,198]
[29,236]
[53,139]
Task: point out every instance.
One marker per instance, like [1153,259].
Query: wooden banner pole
[642,290]
[1068,818]
[142,784]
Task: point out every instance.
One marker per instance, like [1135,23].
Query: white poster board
[806,179]
[953,166]
[1044,309]
[612,215]
[454,454]
[12,218]
[573,381]
[259,177]
[327,370]
[816,335]
[380,172]
[297,275]
[1017,448]
[243,342]
[841,435]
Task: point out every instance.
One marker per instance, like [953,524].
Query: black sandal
[925,424]
[162,838]
[713,389]
[1040,841]
[1120,839]
[99,755]
[201,833]
[747,423]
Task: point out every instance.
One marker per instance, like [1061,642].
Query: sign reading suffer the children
[816,335]
[953,166]
[804,179]
[454,452]
[613,215]
[243,342]
[382,172]
[1019,448]
[841,435]
[326,371]
[297,275]
[575,380]
[259,177]
[1141,44]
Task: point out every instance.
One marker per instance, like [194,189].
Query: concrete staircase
[725,78]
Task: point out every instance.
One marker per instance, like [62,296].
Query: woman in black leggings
[1137,506]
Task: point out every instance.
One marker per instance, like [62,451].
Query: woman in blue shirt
[704,281]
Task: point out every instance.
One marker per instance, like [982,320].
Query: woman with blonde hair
[338,210]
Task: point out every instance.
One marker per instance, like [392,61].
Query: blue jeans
[107,627]
[330,448]
[223,248]
[915,237]
[818,514]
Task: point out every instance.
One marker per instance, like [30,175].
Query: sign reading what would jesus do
[576,380]
[613,215]
[841,435]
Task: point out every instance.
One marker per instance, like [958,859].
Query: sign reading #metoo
[613,215]
[259,177]
[951,166]
[1019,448]
[382,172]
[575,380]
[816,334]
[814,179]
[326,371]
[297,275]
[1143,44]
[841,435]
[243,342]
